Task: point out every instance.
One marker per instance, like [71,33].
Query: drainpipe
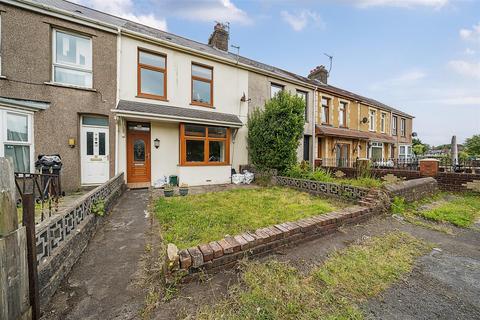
[117,98]
[314,137]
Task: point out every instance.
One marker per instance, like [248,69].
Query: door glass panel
[17,127]
[195,151]
[20,156]
[89,143]
[216,151]
[139,150]
[101,143]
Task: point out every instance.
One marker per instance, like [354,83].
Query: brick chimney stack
[219,38]
[320,73]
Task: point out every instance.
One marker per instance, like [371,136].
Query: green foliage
[418,147]
[98,208]
[216,214]
[399,206]
[461,212]
[473,145]
[275,290]
[274,133]
[325,175]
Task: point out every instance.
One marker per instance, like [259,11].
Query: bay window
[204,145]
[202,85]
[376,151]
[72,59]
[16,139]
[151,75]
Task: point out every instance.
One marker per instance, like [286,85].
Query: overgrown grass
[461,211]
[275,290]
[189,221]
[302,172]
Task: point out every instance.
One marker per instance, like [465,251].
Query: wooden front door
[138,155]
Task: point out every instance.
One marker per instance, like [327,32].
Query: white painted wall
[230,84]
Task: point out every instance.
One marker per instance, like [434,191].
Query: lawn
[195,219]
[461,210]
[275,290]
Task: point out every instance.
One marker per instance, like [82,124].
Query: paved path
[101,285]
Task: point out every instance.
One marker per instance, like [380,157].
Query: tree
[419,147]
[274,133]
[472,145]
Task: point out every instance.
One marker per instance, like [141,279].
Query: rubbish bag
[238,178]
[160,182]
[249,177]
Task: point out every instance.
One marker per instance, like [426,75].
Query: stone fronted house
[57,87]
[111,95]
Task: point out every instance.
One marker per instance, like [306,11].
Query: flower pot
[183,191]
[168,193]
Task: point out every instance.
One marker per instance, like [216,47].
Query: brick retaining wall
[450,181]
[412,190]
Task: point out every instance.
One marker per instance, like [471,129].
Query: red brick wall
[450,181]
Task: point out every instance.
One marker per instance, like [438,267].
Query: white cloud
[124,9]
[205,10]
[465,68]
[437,4]
[470,52]
[472,34]
[300,19]
[407,78]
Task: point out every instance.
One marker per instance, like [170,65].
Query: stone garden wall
[412,190]
[62,239]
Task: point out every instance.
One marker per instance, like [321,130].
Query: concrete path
[101,285]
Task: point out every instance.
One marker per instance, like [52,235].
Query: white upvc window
[16,138]
[72,59]
[402,127]
[373,120]
[405,152]
[383,121]
[376,151]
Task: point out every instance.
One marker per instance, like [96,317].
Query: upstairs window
[72,59]
[325,110]
[373,120]
[202,85]
[382,122]
[304,96]
[394,125]
[275,89]
[402,127]
[151,72]
[342,114]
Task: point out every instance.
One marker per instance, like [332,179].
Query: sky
[420,56]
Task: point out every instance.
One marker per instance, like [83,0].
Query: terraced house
[111,95]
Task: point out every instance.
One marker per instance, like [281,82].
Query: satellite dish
[365,120]
[414,134]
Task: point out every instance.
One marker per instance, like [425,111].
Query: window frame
[383,121]
[403,127]
[302,93]
[327,107]
[210,81]
[3,133]
[206,139]
[343,112]
[273,84]
[141,66]
[1,75]
[68,66]
[394,125]
[372,125]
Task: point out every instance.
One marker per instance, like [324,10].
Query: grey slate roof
[82,11]
[180,113]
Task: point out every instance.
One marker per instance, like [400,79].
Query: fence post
[28,204]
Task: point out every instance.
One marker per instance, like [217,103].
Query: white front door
[94,154]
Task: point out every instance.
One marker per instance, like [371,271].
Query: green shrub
[399,206]
[275,132]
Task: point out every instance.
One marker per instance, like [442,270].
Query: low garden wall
[412,190]
[61,239]
[450,181]
[323,188]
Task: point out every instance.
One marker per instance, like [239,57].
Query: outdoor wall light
[71,143]
[156,143]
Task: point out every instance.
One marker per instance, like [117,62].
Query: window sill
[3,77]
[151,97]
[62,85]
[202,105]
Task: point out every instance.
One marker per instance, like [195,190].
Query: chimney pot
[319,73]
[219,38]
